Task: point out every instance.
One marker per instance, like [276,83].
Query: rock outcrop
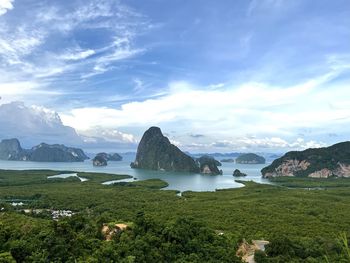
[250,158]
[99,161]
[115,157]
[317,163]
[12,150]
[247,251]
[155,152]
[110,156]
[208,165]
[56,153]
[238,173]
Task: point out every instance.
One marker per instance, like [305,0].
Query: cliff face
[208,165]
[12,150]
[155,152]
[250,158]
[316,163]
[99,161]
[56,153]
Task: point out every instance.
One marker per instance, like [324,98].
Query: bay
[177,181]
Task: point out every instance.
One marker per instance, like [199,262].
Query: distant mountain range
[234,155]
[11,150]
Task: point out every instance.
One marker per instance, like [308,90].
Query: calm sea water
[176,181]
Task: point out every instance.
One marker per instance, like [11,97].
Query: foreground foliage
[79,239]
[302,225]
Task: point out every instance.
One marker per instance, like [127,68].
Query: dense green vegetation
[319,158]
[302,225]
[251,158]
[312,183]
[32,177]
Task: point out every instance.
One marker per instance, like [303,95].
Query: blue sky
[262,75]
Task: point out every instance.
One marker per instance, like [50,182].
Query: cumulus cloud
[34,124]
[5,5]
[111,135]
[255,102]
[246,144]
[269,113]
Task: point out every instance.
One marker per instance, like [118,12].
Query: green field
[303,225]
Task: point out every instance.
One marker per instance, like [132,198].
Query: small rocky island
[208,165]
[11,150]
[115,157]
[99,161]
[227,160]
[333,161]
[250,158]
[238,173]
[155,152]
[102,159]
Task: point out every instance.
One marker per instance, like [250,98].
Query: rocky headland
[333,161]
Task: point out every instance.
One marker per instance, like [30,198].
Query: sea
[177,181]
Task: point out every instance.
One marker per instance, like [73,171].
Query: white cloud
[34,124]
[27,53]
[5,5]
[44,125]
[111,135]
[266,111]
[139,85]
[119,50]
[19,90]
[78,54]
[19,42]
[256,144]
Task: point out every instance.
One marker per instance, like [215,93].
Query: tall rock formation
[155,152]
[11,149]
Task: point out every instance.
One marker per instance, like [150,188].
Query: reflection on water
[176,181]
[66,176]
[127,180]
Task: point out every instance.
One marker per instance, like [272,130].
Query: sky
[215,76]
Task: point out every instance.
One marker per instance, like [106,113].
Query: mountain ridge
[11,149]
